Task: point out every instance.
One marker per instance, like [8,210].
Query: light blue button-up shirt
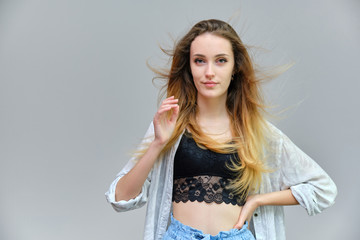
[309,183]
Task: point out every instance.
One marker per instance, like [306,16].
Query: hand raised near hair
[163,124]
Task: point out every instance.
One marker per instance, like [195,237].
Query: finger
[175,113]
[172,101]
[240,223]
[160,113]
[163,109]
[169,99]
[173,104]
[168,106]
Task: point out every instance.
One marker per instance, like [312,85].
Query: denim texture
[179,231]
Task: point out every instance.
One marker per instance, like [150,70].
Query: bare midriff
[210,218]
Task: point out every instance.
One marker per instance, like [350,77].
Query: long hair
[244,106]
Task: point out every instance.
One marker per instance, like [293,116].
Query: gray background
[76,97]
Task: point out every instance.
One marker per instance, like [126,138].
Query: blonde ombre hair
[244,105]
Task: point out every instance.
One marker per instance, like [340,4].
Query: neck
[213,118]
[211,109]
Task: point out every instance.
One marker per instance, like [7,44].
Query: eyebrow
[217,55]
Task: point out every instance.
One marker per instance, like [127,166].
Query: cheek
[195,74]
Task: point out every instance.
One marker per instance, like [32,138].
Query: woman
[211,161]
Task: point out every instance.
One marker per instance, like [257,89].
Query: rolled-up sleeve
[309,183]
[139,200]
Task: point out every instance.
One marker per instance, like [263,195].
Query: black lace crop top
[201,175]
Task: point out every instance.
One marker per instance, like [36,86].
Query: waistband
[193,233]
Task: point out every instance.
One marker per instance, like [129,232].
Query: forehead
[210,44]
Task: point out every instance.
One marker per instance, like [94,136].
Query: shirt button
[255,214]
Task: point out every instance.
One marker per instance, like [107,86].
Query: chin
[211,96]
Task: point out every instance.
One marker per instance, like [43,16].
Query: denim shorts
[179,231]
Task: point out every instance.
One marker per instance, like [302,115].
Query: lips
[210,84]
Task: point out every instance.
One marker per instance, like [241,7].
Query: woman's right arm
[129,186]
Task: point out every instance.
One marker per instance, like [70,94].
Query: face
[212,64]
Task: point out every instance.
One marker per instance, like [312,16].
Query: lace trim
[204,188]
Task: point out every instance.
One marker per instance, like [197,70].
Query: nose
[209,72]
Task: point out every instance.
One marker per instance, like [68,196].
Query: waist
[210,218]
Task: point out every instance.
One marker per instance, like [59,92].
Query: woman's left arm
[298,180]
[283,197]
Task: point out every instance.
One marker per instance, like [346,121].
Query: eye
[199,60]
[222,60]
